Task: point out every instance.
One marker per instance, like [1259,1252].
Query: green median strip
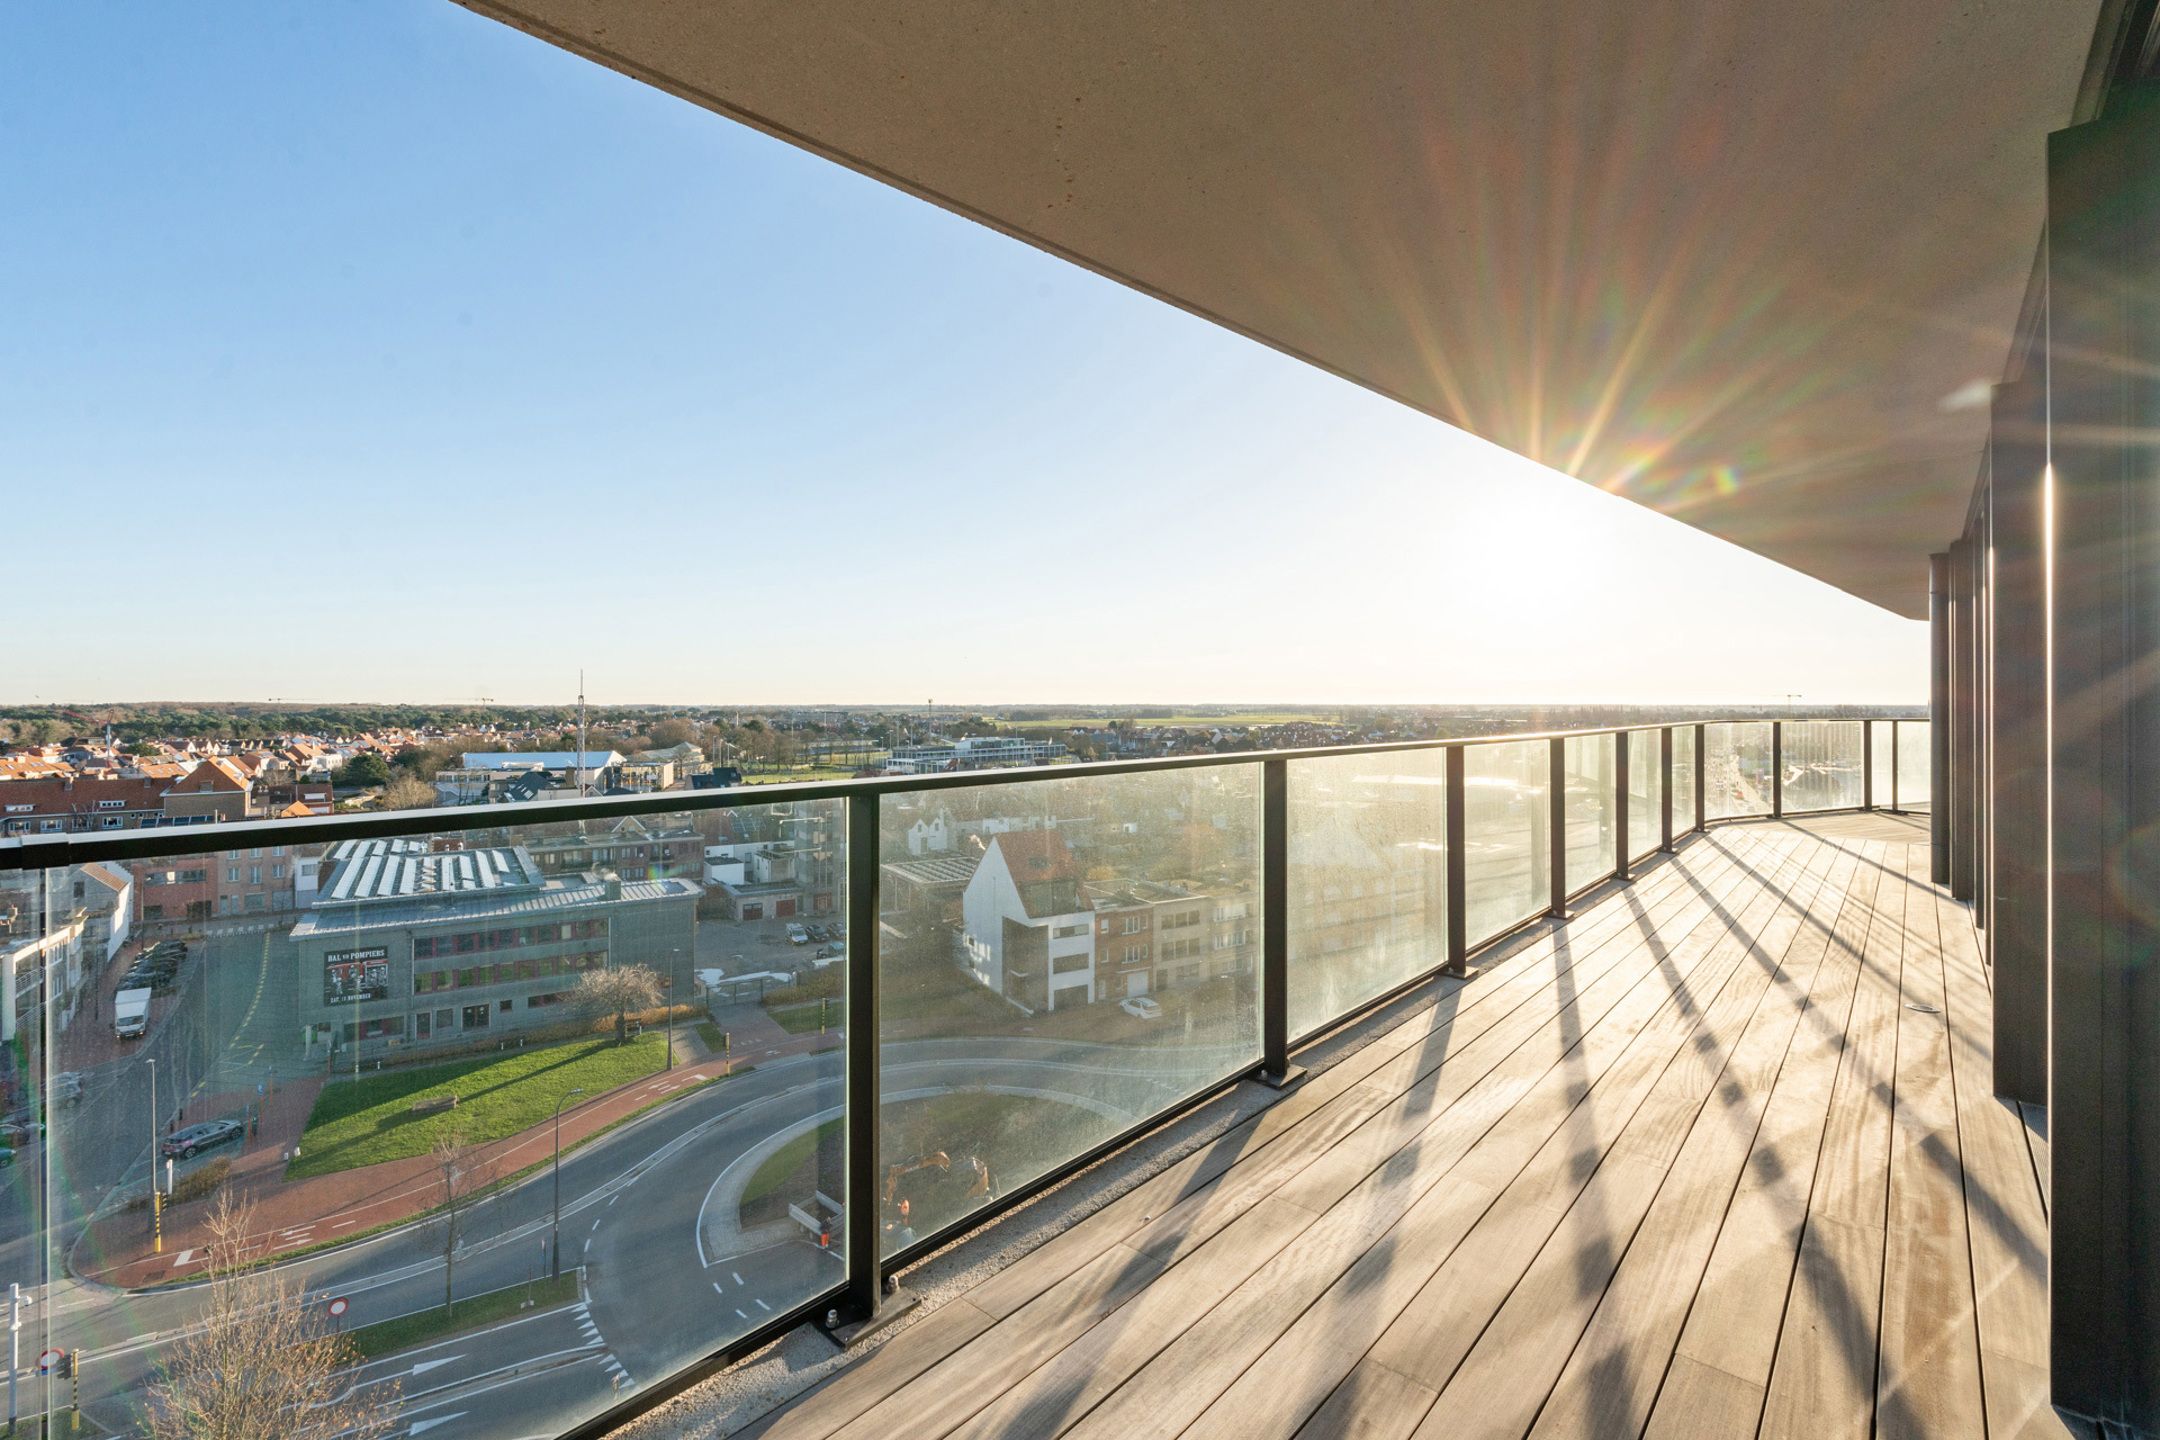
[389,1336]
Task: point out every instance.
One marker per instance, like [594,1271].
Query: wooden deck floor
[1719,1157]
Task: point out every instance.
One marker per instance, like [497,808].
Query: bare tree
[619,991]
[262,1358]
[405,792]
[460,1175]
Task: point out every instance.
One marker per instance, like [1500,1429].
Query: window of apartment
[153,912]
[1067,964]
[232,874]
[503,1006]
[254,874]
[1067,932]
[111,804]
[476,1017]
[1134,924]
[193,877]
[277,872]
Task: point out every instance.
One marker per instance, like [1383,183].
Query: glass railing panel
[1368,879]
[1684,777]
[1592,845]
[1736,770]
[1646,792]
[372,1041]
[1915,760]
[1059,961]
[1823,765]
[1507,849]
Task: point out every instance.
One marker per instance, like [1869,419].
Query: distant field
[1195,722]
[801,772]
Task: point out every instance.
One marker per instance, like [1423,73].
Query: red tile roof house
[217,789]
[68,807]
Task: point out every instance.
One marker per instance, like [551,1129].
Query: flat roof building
[408,947]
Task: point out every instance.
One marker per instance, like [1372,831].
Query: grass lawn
[368,1121]
[714,1037]
[789,1167]
[803,1019]
[389,1336]
[1017,1136]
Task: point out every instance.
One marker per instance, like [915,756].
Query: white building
[1027,929]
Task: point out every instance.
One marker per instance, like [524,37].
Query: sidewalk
[324,1209]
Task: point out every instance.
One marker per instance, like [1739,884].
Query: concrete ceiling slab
[1751,263]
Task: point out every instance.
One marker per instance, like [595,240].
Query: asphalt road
[661,1288]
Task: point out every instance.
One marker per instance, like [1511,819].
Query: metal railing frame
[856,1305]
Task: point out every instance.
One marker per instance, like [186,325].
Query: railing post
[1867,764]
[1458,920]
[1620,748]
[1275,925]
[1939,718]
[866,1307]
[1777,769]
[1556,824]
[1665,790]
[1702,772]
[1896,805]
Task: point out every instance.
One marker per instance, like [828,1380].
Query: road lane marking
[763,1306]
[737,1274]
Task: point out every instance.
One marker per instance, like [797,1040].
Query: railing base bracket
[1287,1077]
[854,1332]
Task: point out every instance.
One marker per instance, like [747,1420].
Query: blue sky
[379,352]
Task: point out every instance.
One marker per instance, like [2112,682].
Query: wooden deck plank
[1121,1294]
[1929,1378]
[1295,1376]
[1381,1404]
[1429,1340]
[1411,1049]
[1611,1381]
[1822,1382]
[1687,1165]
[1099,1236]
[1739,1303]
[1178,1388]
[1509,1374]
[878,1374]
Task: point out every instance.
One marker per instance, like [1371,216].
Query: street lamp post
[151,1162]
[555,1227]
[674,974]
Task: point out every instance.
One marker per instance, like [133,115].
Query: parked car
[21,1128]
[65,1089]
[797,935]
[827,952]
[1140,1007]
[7,1157]
[184,1143]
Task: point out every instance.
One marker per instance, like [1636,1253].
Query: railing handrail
[53,852]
